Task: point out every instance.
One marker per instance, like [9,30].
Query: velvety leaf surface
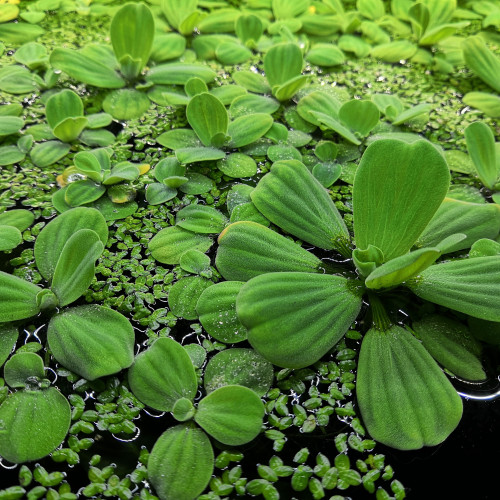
[46,153]
[179,73]
[82,192]
[132,31]
[51,240]
[247,249]
[75,268]
[162,375]
[248,128]
[360,116]
[10,237]
[471,286]
[181,463]
[207,116]
[237,366]
[34,423]
[8,340]
[397,270]
[293,319]
[20,367]
[17,298]
[475,220]
[92,341]
[290,197]
[397,189]
[63,105]
[482,61]
[201,219]
[231,414]
[170,243]
[481,146]
[126,104]
[405,399]
[216,308]
[184,295]
[452,345]
[282,62]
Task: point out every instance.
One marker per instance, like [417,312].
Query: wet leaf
[17,298]
[184,295]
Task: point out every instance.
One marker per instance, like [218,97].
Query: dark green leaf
[184,295]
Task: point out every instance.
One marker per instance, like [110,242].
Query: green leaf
[70,129]
[452,345]
[197,183]
[228,93]
[475,220]
[8,340]
[325,54]
[10,237]
[48,153]
[88,164]
[114,211]
[184,295]
[132,31]
[484,248]
[335,125]
[22,366]
[482,61]
[239,367]
[481,147]
[290,197]
[195,86]
[393,52]
[15,79]
[405,399]
[85,69]
[51,240]
[327,173]
[10,125]
[123,171]
[237,165]
[372,9]
[249,29]
[20,32]
[283,9]
[359,116]
[400,269]
[216,308]
[75,267]
[201,219]
[247,249]
[10,155]
[92,341]
[126,104]
[196,262]
[248,128]
[254,82]
[82,192]
[157,193]
[230,53]
[176,11]
[469,285]
[193,155]
[293,319]
[397,189]
[17,298]
[207,116]
[488,103]
[179,73]
[178,138]
[231,414]
[64,104]
[250,104]
[170,243]
[318,101]
[167,46]
[181,463]
[34,423]
[282,62]
[366,261]
[162,375]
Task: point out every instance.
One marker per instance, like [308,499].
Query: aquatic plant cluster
[201,224]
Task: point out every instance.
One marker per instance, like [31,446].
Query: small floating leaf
[184,295]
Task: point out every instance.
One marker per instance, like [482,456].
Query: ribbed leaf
[397,189]
[282,62]
[170,243]
[179,73]
[207,116]
[248,128]
[201,219]
[21,366]
[359,116]
[51,240]
[405,399]
[17,298]
[471,286]
[85,69]
[290,197]
[452,345]
[216,308]
[475,220]
[482,61]
[132,31]
[162,375]
[64,104]
[92,341]
[181,463]
[400,269]
[10,237]
[247,249]
[184,295]
[75,268]
[231,414]
[481,147]
[34,423]
[293,319]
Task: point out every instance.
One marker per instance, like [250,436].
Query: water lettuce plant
[398,188]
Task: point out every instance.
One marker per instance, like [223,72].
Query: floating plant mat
[217,218]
